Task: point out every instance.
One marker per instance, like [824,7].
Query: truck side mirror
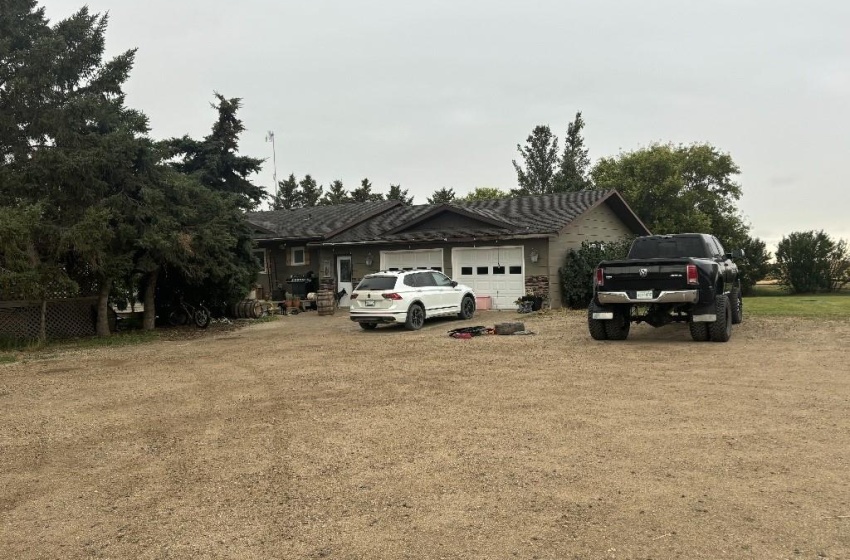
[736,254]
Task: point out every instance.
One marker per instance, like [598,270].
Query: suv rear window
[377,283]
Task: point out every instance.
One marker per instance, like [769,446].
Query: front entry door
[343,279]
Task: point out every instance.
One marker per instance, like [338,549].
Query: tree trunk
[103,308]
[149,321]
[42,329]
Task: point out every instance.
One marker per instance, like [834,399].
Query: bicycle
[200,315]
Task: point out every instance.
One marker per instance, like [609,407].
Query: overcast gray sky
[437,94]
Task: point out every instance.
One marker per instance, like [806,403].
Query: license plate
[370,303]
[644,294]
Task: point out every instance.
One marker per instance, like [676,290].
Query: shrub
[811,261]
[579,266]
[756,264]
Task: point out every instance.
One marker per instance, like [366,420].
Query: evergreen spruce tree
[69,144]
[442,196]
[396,193]
[336,194]
[215,160]
[364,193]
[309,191]
[288,194]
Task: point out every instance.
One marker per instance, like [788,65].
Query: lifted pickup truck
[668,278]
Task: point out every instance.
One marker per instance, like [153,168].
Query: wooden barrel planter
[247,309]
[325,303]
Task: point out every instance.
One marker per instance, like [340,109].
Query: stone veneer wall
[538,285]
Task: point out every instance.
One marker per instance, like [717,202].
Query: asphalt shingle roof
[527,215]
[385,221]
[316,222]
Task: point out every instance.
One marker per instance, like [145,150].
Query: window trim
[292,260]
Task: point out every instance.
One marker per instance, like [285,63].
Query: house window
[298,256]
[482,270]
[498,270]
[516,270]
[260,254]
[466,270]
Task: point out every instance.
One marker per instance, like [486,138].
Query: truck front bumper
[678,296]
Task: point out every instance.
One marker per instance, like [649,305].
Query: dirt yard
[308,438]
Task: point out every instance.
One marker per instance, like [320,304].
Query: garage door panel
[491,271]
[411,260]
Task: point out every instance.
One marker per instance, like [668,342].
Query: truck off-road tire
[467,308]
[618,327]
[721,329]
[595,326]
[737,305]
[699,331]
[415,317]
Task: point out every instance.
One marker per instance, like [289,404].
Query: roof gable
[444,217]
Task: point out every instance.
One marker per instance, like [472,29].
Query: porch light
[534,255]
[369,259]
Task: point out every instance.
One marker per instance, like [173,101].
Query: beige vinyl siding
[600,224]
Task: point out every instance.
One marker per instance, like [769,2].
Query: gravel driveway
[308,438]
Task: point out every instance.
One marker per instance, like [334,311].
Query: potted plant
[293,302]
[530,301]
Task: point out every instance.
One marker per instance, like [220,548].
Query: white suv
[409,297]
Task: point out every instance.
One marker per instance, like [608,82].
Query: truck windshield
[668,248]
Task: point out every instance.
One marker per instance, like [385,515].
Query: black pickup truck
[665,278]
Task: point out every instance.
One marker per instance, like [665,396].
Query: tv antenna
[270,138]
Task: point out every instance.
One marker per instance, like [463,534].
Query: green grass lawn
[118,339]
[773,301]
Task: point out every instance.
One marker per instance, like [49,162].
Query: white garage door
[491,271]
[411,260]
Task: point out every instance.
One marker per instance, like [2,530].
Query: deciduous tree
[574,164]
[811,261]
[536,173]
[486,193]
[678,189]
[755,265]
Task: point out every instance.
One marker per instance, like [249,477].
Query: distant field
[774,301]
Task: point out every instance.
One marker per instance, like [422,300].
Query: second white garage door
[491,271]
[411,260]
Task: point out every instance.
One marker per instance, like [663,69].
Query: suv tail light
[393,296]
[600,276]
[353,295]
[692,274]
